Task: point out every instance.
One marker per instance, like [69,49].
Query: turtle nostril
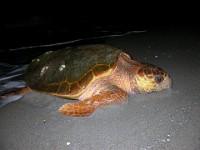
[159,79]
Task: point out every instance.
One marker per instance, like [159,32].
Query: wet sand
[168,120]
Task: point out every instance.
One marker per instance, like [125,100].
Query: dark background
[36,30]
[23,37]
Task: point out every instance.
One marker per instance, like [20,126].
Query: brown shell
[69,72]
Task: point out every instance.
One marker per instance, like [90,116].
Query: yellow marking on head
[145,84]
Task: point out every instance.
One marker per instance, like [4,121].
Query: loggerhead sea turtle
[97,75]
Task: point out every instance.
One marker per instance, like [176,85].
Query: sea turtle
[97,75]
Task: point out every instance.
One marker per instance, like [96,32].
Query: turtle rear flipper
[88,106]
[21,91]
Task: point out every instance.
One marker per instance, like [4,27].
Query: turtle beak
[166,84]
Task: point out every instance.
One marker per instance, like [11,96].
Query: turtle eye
[159,79]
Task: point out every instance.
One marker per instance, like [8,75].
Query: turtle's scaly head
[150,78]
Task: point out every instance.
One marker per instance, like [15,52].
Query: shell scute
[63,89]
[85,80]
[74,89]
[100,69]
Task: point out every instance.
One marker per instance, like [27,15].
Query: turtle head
[150,78]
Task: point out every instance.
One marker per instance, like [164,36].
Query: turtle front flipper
[89,105]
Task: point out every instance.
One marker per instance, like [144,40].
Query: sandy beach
[168,120]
